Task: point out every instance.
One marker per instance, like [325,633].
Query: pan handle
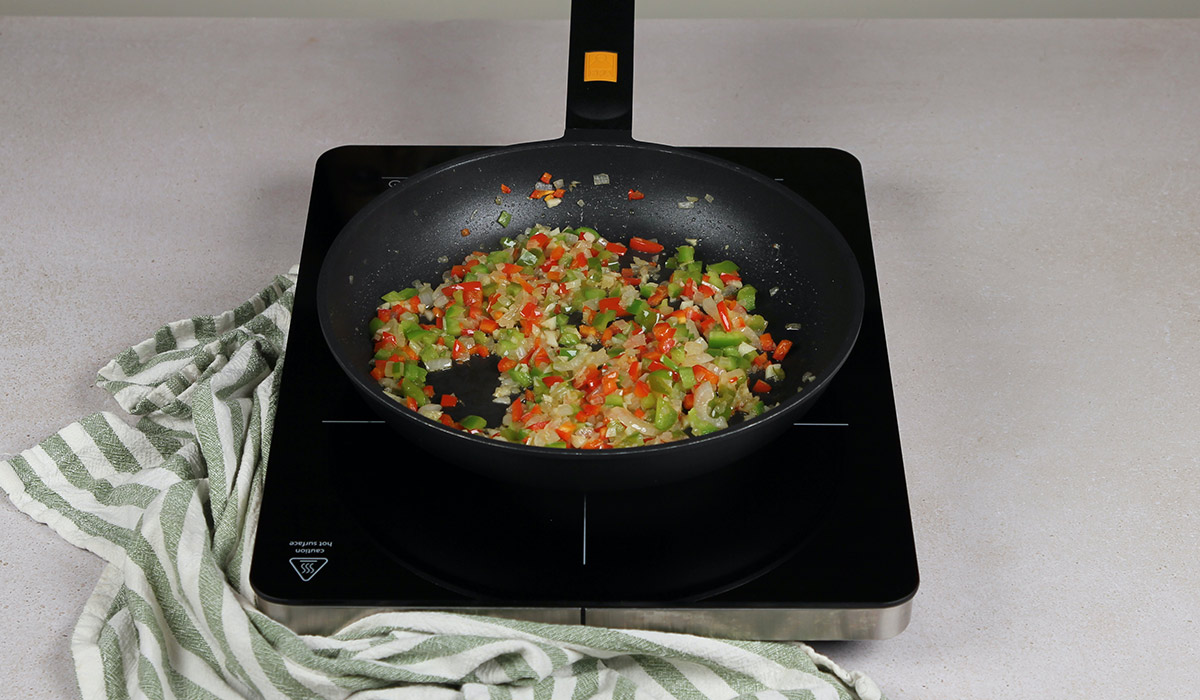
[600,66]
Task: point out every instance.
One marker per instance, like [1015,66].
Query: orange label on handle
[599,66]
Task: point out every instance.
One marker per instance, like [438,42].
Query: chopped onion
[438,364]
[600,179]
[792,327]
[708,198]
[552,202]
[686,205]
[623,415]
[692,199]
[773,291]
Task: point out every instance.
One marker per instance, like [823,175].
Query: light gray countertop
[1034,192]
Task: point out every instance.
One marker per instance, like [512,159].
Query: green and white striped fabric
[169,496]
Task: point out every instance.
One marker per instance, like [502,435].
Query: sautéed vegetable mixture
[593,350]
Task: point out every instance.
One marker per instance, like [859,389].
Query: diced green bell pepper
[724,339]
[665,414]
[473,422]
[415,373]
[601,320]
[725,267]
[687,377]
[699,424]
[412,390]
[402,295]
[747,296]
[660,381]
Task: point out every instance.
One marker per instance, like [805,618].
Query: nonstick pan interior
[780,242]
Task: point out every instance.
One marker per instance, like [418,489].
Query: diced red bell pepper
[615,248]
[760,387]
[587,411]
[545,178]
[506,364]
[449,401]
[724,316]
[642,245]
[612,304]
[658,296]
[705,375]
[768,343]
[634,194]
[781,350]
[589,378]
[505,188]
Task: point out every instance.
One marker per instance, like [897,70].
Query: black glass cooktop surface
[808,538]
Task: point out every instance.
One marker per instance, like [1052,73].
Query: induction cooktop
[808,538]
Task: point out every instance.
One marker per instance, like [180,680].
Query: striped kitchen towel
[168,495]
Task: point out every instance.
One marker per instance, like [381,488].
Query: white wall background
[558,9]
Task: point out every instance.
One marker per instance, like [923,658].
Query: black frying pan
[777,238]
